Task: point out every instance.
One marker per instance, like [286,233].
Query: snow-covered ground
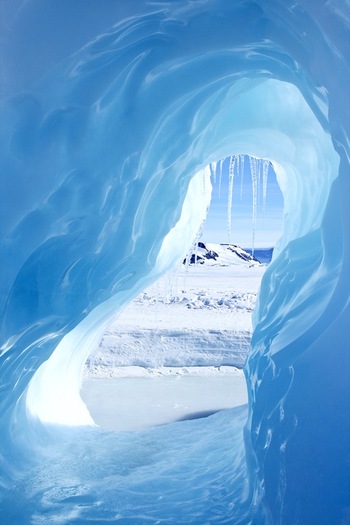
[135,403]
[188,331]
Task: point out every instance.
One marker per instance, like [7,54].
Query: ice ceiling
[109,109]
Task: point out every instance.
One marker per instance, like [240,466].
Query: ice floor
[115,403]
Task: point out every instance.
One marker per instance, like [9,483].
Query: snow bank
[193,317]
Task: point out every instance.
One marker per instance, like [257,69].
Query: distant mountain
[221,255]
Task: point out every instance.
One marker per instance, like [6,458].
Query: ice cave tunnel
[109,109]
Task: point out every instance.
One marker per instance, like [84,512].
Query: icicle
[241,171]
[266,166]
[220,175]
[188,258]
[231,175]
[254,175]
[213,166]
[193,250]
[197,239]
[258,173]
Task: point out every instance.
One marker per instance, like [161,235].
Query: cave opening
[299,153]
[178,350]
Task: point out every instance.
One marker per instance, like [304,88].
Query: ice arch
[100,138]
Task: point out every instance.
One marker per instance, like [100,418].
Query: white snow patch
[200,317]
[177,351]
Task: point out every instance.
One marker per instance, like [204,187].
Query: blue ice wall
[108,110]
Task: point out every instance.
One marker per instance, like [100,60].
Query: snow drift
[108,111]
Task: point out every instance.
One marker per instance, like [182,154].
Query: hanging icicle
[220,175]
[213,166]
[254,176]
[192,254]
[266,166]
[241,174]
[231,175]
[259,170]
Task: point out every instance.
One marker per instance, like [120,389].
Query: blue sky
[268,224]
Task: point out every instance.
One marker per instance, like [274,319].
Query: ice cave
[109,111]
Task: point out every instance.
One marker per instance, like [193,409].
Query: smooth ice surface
[115,404]
[108,111]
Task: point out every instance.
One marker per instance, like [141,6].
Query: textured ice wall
[108,110]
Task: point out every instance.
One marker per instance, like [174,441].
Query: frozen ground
[135,403]
[176,351]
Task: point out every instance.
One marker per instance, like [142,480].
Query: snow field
[177,351]
[200,317]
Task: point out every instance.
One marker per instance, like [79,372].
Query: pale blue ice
[108,110]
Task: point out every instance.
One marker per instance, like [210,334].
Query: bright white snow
[200,316]
[135,403]
[178,348]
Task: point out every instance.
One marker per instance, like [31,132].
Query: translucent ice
[108,111]
[231,174]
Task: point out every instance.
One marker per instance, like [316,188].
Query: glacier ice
[108,111]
